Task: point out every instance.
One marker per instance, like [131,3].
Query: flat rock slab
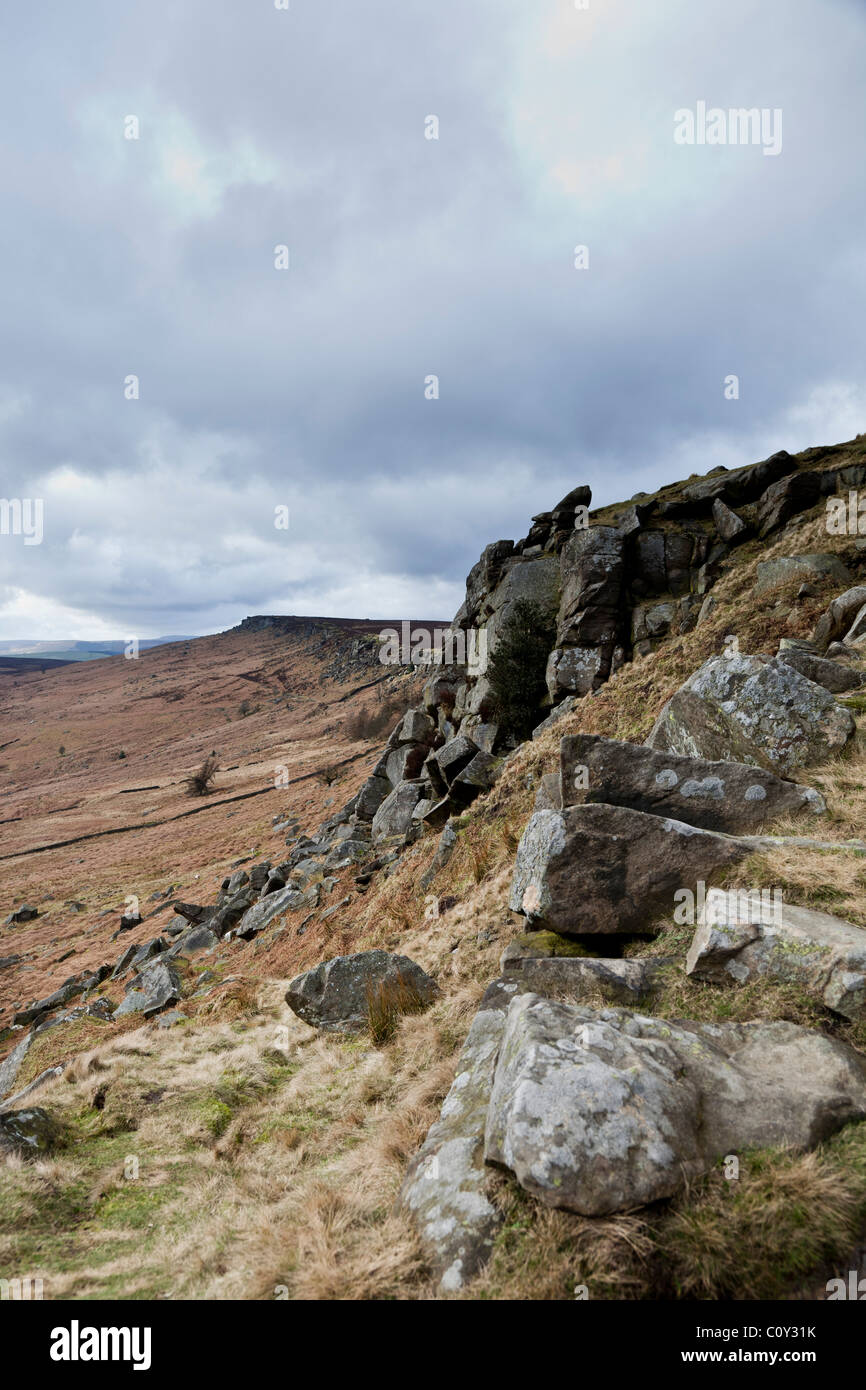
[728,796]
[336,996]
[444,1190]
[602,1111]
[751,936]
[574,978]
[753,709]
[262,913]
[598,868]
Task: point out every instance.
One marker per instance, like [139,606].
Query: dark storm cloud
[408,257]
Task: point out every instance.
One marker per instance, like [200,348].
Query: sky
[210,434]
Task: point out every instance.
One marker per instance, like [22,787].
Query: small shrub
[201,782]
[369,722]
[517,668]
[387,1002]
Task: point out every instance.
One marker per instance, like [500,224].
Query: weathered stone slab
[715,795]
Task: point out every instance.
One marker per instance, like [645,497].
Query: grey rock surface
[602,1111]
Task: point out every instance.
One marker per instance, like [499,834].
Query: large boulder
[443,766]
[29,1133]
[154,989]
[337,995]
[608,869]
[744,936]
[795,493]
[602,1111]
[261,914]
[753,709]
[833,676]
[394,816]
[841,613]
[856,634]
[728,796]
[787,568]
[729,525]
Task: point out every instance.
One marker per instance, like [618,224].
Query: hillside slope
[269,1153]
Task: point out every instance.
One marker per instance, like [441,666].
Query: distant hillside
[63,651]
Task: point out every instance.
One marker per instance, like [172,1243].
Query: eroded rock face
[600,1111]
[755,710]
[597,868]
[337,994]
[590,613]
[743,937]
[727,796]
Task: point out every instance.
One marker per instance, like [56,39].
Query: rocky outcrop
[70,989]
[338,995]
[753,709]
[746,936]
[602,1111]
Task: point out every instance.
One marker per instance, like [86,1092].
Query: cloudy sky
[304,388]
